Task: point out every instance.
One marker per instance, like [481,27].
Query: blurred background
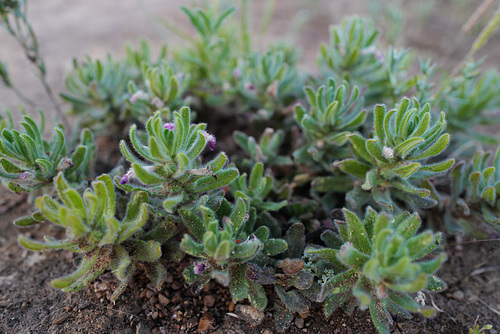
[73,29]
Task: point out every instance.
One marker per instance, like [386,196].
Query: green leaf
[239,284]
[85,265]
[193,223]
[38,246]
[379,314]
[436,148]
[135,217]
[145,176]
[149,251]
[274,247]
[357,233]
[435,284]
[222,253]
[224,177]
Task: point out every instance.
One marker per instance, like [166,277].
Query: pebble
[458,295]
[267,331]
[163,300]
[209,301]
[231,306]
[249,314]
[299,322]
[176,285]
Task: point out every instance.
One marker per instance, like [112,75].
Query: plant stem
[245,34]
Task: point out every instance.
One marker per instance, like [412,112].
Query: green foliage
[315,154]
[268,80]
[97,90]
[334,113]
[209,58]
[28,162]
[394,162]
[93,232]
[163,89]
[257,190]
[224,244]
[476,191]
[266,150]
[471,99]
[169,164]
[380,258]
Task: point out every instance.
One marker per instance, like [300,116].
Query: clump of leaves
[380,256]
[209,60]
[476,191]
[28,162]
[257,190]
[93,232]
[169,161]
[97,91]
[163,88]
[335,112]
[267,81]
[394,163]
[265,150]
[288,276]
[224,241]
[471,99]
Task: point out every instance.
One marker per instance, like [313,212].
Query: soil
[28,304]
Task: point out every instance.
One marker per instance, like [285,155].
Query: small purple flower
[210,139]
[236,73]
[127,176]
[170,126]
[199,267]
[249,86]
[24,175]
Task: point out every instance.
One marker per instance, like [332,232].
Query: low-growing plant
[476,192]
[266,231]
[379,265]
[93,231]
[393,164]
[28,162]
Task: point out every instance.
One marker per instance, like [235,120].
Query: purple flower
[236,73]
[210,139]
[127,176]
[24,175]
[199,267]
[249,86]
[170,126]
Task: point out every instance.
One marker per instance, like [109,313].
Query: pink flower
[127,176]
[170,126]
[199,267]
[210,139]
[24,175]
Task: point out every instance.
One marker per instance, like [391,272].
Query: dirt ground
[70,29]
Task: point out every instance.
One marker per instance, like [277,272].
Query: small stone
[101,286]
[458,295]
[177,297]
[299,322]
[209,301]
[154,315]
[267,331]
[231,307]
[67,308]
[205,322]
[249,314]
[150,294]
[176,285]
[163,300]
